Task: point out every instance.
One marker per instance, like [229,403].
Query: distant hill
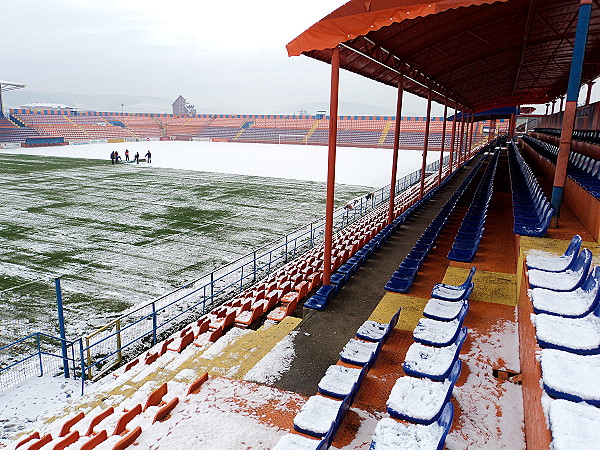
[85,102]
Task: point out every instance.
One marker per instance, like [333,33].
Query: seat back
[445,422]
[592,282]
[574,246]
[583,261]
[455,372]
[470,277]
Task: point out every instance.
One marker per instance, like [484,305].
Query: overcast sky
[222,56]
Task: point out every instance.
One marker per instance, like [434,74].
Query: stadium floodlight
[8,86]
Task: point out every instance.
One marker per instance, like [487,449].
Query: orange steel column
[396,147]
[511,126]
[425,146]
[333,115]
[461,141]
[471,133]
[452,139]
[568,119]
[443,142]
[492,132]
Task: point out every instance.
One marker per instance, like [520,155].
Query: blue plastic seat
[392,434]
[360,353]
[434,363]
[323,295]
[580,336]
[567,280]
[560,263]
[580,383]
[401,404]
[439,333]
[340,381]
[573,304]
[453,293]
[375,331]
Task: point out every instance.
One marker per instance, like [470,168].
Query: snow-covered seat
[293,441]
[433,362]
[319,414]
[542,261]
[567,280]
[375,331]
[390,434]
[360,353]
[341,381]
[443,309]
[453,293]
[439,333]
[571,377]
[420,400]
[577,303]
[580,335]
[574,425]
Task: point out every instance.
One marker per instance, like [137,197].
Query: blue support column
[560,175]
[61,325]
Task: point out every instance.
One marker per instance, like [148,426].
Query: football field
[120,235]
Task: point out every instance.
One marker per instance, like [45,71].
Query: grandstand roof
[10,86]
[482,53]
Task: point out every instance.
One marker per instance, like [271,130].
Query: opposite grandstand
[353,131]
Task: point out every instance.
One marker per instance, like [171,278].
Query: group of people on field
[115,158]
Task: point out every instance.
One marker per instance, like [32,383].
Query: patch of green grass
[13,231]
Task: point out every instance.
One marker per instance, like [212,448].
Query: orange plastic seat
[155,398]
[121,426]
[99,418]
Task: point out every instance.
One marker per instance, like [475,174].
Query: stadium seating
[532,210]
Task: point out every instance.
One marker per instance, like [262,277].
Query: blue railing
[143,326]
[37,354]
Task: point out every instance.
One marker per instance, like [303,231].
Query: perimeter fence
[94,354]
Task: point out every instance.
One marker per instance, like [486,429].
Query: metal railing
[142,326]
[36,355]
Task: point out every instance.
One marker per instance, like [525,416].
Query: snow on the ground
[357,166]
[32,401]
[491,411]
[275,363]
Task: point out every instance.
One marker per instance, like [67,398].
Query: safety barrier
[140,327]
[36,355]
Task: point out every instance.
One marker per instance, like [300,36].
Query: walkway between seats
[323,334]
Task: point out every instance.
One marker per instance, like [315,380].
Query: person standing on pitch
[112,157]
[126,154]
[148,156]
[137,157]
